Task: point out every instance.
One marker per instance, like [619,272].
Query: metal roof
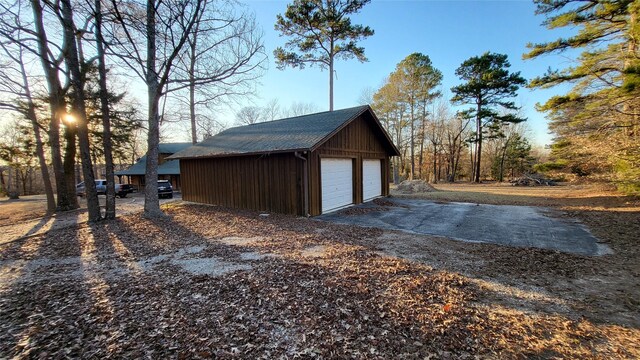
[172,148]
[290,134]
[169,167]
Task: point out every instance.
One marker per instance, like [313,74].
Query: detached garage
[305,165]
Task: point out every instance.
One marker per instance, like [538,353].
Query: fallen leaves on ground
[321,290]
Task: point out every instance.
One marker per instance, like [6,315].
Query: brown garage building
[305,165]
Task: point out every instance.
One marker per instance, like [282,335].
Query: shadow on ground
[130,287]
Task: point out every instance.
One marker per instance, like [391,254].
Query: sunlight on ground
[124,254]
[14,270]
[517,293]
[329,285]
[11,233]
[96,285]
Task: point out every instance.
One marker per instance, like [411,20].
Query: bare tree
[455,138]
[149,37]
[434,131]
[110,203]
[224,57]
[249,115]
[301,108]
[272,110]
[16,89]
[50,54]
[73,60]
[208,126]
[366,96]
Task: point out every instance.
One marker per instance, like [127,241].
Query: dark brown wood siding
[270,183]
[358,140]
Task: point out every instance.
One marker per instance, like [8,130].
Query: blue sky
[448,32]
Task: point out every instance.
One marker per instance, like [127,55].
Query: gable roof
[169,167]
[298,133]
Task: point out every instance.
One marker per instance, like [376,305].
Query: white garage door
[336,176]
[371,179]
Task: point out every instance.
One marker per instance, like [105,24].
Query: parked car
[165,189]
[123,189]
[101,188]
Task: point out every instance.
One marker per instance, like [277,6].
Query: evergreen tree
[418,79]
[597,124]
[488,86]
[320,31]
[124,119]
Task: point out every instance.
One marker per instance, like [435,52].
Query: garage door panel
[336,176]
[371,179]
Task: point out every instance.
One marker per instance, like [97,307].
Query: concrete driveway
[520,226]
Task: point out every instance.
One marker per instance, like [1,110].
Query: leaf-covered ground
[213,282]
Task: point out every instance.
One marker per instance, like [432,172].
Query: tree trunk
[396,175]
[42,161]
[66,200]
[110,203]
[3,185]
[17,181]
[421,153]
[23,180]
[504,153]
[479,143]
[331,77]
[9,186]
[69,161]
[412,150]
[77,82]
[30,172]
[472,153]
[457,161]
[435,163]
[192,86]
[151,202]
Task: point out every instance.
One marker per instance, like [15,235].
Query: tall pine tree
[488,87]
[597,123]
[320,32]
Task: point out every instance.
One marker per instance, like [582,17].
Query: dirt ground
[25,208]
[567,197]
[27,216]
[214,282]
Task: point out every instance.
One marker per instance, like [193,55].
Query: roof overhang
[392,146]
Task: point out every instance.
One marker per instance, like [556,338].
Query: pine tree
[488,86]
[320,32]
[596,124]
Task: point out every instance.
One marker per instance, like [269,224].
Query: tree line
[60,61]
[597,123]
[319,32]
[435,142]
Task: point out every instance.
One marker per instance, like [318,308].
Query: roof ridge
[297,116]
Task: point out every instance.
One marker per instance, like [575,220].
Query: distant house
[168,169]
[305,165]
